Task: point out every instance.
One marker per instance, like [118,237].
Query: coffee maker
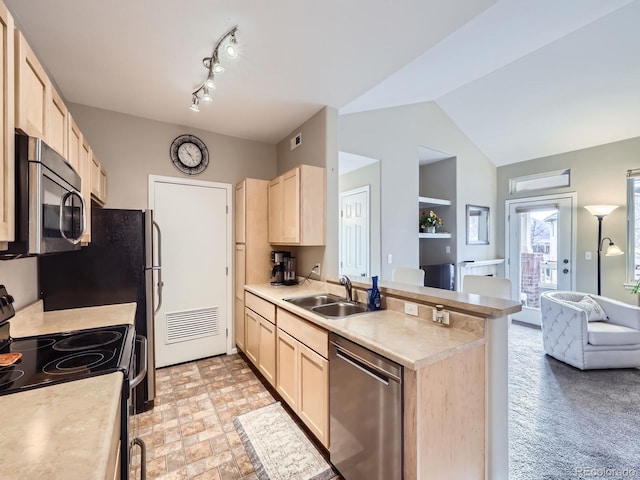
[284,268]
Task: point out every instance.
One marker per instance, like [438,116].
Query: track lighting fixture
[229,44]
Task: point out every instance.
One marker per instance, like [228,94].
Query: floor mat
[277,447]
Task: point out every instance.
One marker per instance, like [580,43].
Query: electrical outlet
[447,249]
[316,269]
[440,315]
[587,255]
[411,309]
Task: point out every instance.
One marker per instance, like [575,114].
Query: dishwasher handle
[365,366]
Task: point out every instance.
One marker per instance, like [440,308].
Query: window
[541,181]
[633,225]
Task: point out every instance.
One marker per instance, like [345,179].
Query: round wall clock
[189,154]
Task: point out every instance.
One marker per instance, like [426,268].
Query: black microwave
[50,211]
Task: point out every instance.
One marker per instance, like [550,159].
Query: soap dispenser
[373,295]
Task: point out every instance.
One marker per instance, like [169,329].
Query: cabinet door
[96,179]
[287,368]
[252,335]
[7,155]
[238,324]
[275,210]
[267,356]
[32,91]
[313,408]
[240,212]
[74,144]
[85,174]
[103,185]
[291,206]
[240,267]
[57,135]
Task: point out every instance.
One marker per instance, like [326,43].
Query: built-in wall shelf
[432,202]
[434,235]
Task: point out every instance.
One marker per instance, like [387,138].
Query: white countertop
[412,342]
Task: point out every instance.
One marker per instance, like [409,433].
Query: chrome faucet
[344,280]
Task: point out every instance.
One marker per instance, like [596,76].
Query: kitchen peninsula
[454,378]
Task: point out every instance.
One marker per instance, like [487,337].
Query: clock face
[189,154]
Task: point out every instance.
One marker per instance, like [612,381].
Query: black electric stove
[61,357]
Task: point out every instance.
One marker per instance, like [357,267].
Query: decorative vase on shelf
[431,229]
[423,228]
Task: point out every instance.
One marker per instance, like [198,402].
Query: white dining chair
[412,276]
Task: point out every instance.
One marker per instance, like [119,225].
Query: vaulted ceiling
[521,78]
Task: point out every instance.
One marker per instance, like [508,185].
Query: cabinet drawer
[307,333]
[262,307]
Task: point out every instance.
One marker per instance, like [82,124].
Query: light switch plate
[587,255]
[411,308]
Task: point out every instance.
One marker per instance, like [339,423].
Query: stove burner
[78,362]
[9,376]
[31,344]
[86,341]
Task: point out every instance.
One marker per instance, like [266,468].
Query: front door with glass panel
[540,248]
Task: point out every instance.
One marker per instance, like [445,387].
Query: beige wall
[598,176]
[319,148]
[393,135]
[132,148]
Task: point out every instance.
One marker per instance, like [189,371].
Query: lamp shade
[600,210]
[613,251]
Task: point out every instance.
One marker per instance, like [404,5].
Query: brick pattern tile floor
[189,434]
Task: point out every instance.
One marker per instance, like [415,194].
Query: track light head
[206,95]
[231,48]
[217,68]
[195,102]
[209,82]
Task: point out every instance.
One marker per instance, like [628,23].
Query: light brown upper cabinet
[297,207]
[98,181]
[58,124]
[74,146]
[7,155]
[86,161]
[33,90]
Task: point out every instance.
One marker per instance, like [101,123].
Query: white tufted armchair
[586,339]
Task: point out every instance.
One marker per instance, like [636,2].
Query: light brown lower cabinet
[287,367]
[267,350]
[260,343]
[313,406]
[303,374]
[252,332]
[238,324]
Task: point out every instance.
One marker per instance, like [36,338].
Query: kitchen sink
[328,305]
[340,309]
[310,301]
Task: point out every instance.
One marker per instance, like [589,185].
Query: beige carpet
[277,447]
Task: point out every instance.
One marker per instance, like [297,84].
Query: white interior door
[541,249]
[354,232]
[196,250]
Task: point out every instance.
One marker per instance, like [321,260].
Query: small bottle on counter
[373,295]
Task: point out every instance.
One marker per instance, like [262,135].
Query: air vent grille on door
[191,324]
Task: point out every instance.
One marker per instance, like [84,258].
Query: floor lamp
[601,211]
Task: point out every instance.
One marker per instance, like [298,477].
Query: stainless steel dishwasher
[365,407]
